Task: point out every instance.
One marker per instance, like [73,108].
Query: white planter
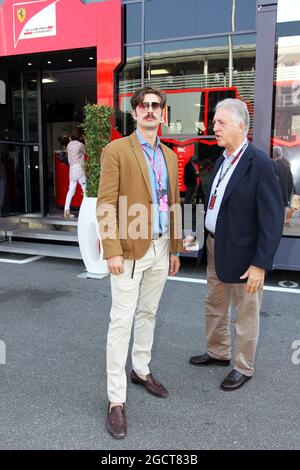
[90,243]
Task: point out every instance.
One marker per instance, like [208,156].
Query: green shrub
[97,132]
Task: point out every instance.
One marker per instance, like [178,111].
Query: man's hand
[174,265]
[115,264]
[256,278]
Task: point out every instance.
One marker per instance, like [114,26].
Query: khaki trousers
[217,313]
[138,298]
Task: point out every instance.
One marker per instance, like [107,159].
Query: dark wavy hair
[139,96]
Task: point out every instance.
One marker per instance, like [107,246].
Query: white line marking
[92,276]
[22,261]
[187,279]
[203,281]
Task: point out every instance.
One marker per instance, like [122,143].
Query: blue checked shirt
[160,219]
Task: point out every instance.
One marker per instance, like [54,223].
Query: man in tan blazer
[139,216]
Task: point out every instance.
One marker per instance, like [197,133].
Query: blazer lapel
[139,154]
[242,167]
[170,171]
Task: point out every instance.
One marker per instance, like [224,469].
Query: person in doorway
[244,218]
[283,168]
[141,173]
[206,169]
[190,179]
[75,152]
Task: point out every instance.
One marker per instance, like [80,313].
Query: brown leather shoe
[234,380]
[116,422]
[151,385]
[206,360]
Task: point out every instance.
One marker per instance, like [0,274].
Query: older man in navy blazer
[244,218]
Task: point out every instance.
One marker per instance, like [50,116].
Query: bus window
[184,112]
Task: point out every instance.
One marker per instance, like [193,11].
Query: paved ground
[53,384]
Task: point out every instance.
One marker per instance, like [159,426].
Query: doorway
[68,84]
[20,115]
[42,97]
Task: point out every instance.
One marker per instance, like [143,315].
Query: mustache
[149,115]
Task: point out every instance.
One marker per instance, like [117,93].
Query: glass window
[184,113]
[174,18]
[128,80]
[11,112]
[32,107]
[243,76]
[133,22]
[186,64]
[171,19]
[287,90]
[33,178]
[286,127]
[2,92]
[244,18]
[12,198]
[196,74]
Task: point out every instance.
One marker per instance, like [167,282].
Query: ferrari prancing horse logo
[21,13]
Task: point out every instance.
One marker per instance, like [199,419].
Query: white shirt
[212,214]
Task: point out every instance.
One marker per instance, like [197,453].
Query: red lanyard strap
[222,175]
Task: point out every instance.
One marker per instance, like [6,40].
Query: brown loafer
[206,360]
[150,384]
[234,380]
[116,422]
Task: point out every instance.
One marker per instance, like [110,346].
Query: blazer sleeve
[270,211]
[107,202]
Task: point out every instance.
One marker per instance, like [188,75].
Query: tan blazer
[124,172]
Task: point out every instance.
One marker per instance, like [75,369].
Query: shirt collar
[142,141]
[235,152]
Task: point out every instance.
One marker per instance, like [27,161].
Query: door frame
[28,145]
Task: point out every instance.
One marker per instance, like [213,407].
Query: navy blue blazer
[251,217]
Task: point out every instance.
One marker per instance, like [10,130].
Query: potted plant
[97,134]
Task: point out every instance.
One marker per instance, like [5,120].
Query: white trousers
[72,190]
[134,297]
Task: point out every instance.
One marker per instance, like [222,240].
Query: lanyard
[222,175]
[158,173]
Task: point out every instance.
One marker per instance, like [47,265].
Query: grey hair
[277,151]
[239,109]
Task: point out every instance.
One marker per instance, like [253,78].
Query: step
[41,249]
[58,235]
[51,220]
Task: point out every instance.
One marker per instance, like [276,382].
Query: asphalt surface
[53,385]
